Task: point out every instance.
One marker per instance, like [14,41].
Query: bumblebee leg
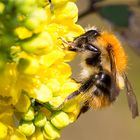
[84,109]
[76,80]
[84,87]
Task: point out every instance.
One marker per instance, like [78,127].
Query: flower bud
[43,94]
[38,135]
[56,101]
[35,18]
[41,42]
[68,87]
[68,12]
[24,6]
[28,65]
[71,106]
[2,7]
[60,2]
[27,128]
[23,32]
[23,103]
[51,58]
[29,115]
[60,120]
[50,132]
[40,120]
[54,85]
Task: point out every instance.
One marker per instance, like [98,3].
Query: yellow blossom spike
[33,64]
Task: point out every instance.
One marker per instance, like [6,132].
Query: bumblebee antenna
[70,44]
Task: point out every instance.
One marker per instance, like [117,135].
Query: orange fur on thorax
[118,51]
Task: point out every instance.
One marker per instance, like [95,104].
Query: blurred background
[121,17]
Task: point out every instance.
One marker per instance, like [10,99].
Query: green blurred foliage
[116,14]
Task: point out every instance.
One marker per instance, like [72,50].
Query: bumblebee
[103,62]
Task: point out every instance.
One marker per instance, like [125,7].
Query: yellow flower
[16,135]
[27,128]
[51,132]
[2,6]
[60,120]
[3,131]
[23,32]
[38,135]
[67,13]
[34,73]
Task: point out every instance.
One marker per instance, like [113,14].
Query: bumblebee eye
[94,33]
[92,48]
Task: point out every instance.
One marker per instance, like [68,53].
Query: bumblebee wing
[114,88]
[131,97]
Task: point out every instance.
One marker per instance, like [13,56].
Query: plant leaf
[116,14]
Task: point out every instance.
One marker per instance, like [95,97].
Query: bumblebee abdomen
[103,84]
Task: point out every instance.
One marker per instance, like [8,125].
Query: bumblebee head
[85,42]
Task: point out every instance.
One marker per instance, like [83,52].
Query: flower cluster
[34,73]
